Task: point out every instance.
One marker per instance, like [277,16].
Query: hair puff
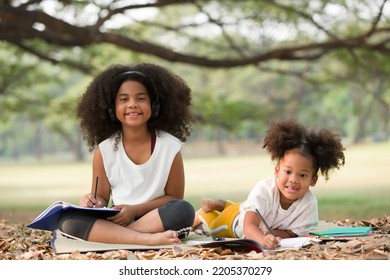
[323,146]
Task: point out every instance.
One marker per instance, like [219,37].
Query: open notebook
[47,220]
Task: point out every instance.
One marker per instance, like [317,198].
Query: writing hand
[90,201]
[270,241]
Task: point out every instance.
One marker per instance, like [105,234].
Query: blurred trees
[249,62]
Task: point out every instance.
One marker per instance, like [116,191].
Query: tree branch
[17,26]
[304,15]
[82,68]
[377,19]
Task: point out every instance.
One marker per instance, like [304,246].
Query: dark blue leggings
[175,215]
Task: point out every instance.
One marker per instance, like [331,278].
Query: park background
[249,63]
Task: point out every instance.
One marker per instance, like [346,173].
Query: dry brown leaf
[149,255]
[3,246]
[178,251]
[76,255]
[226,252]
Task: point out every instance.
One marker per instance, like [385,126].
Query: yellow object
[221,224]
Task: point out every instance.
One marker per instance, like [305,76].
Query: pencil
[264,222]
[96,187]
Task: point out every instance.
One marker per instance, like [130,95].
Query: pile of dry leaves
[20,243]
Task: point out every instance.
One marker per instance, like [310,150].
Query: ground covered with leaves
[20,243]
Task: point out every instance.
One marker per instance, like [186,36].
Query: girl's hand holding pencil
[92,200]
[270,240]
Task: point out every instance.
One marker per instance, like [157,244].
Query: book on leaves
[350,231]
[47,220]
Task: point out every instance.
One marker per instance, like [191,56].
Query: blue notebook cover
[47,220]
[342,231]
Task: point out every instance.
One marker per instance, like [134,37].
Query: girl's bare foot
[164,238]
[209,205]
[197,221]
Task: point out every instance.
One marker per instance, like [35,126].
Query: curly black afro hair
[167,89]
[323,146]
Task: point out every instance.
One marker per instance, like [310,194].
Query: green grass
[360,205]
[359,190]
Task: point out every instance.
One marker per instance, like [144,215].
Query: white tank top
[132,183]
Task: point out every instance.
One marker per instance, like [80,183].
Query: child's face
[295,175]
[132,103]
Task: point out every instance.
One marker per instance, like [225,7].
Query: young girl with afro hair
[135,118]
[285,202]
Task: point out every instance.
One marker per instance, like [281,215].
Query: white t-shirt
[300,217]
[132,183]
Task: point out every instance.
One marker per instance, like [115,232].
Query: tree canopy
[205,33]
